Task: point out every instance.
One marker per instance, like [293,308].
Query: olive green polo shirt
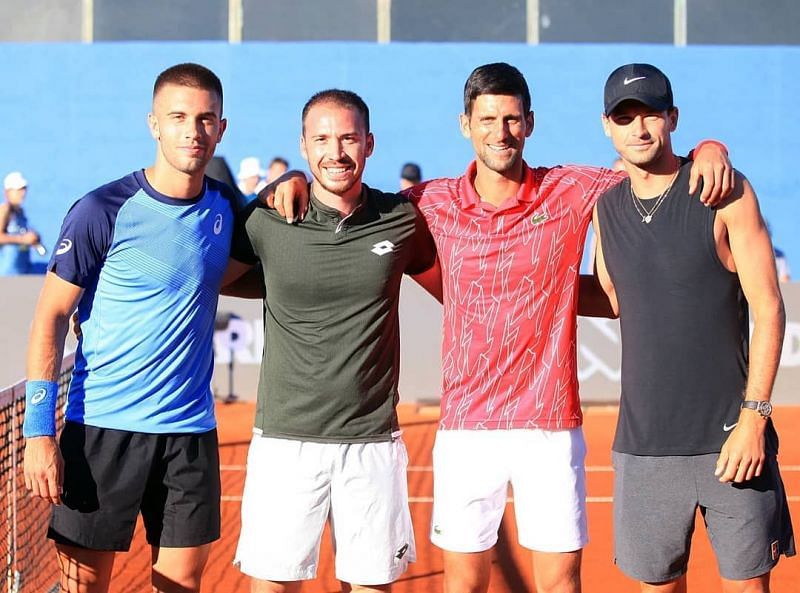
[331,358]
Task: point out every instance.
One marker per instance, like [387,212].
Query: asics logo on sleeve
[382,248]
[38,396]
[218,224]
[627,80]
[63,247]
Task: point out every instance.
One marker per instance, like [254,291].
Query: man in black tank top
[694,428]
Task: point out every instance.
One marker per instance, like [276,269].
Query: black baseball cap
[411,172]
[638,82]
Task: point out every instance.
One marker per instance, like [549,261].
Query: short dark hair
[279,159]
[411,172]
[191,75]
[496,79]
[340,98]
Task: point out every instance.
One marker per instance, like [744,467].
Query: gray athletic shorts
[655,502]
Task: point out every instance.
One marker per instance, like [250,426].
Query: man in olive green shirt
[327,444]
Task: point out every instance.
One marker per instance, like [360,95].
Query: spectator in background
[250,177]
[218,169]
[410,175]
[16,238]
[277,167]
[782,265]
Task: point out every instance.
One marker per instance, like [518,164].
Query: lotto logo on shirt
[382,248]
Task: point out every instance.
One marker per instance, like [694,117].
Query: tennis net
[26,555]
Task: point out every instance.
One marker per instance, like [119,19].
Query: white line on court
[241,468]
[428,468]
[429,499]
[410,468]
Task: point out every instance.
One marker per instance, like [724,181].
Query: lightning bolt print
[509,346]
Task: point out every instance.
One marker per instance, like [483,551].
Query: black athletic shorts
[112,475]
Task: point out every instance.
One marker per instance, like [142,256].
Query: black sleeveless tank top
[684,324]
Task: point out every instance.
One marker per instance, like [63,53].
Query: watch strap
[763,407]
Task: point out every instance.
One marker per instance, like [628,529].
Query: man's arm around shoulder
[243,280]
[431,280]
[597,296]
[289,195]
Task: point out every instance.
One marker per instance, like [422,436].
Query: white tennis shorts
[293,487]
[471,473]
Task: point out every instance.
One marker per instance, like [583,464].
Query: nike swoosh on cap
[627,80]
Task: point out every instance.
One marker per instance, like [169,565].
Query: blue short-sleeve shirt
[151,268]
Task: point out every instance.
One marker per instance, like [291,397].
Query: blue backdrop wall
[75,114]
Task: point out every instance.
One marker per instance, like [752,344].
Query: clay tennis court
[511,572]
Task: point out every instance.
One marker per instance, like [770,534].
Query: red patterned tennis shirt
[510,276]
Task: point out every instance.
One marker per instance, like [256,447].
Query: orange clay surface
[511,570]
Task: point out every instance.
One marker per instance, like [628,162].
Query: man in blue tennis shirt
[143,259]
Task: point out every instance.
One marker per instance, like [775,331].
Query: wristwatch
[762,407]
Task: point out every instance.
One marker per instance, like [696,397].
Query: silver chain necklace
[647,217]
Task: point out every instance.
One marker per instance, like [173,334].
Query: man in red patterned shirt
[510,240]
